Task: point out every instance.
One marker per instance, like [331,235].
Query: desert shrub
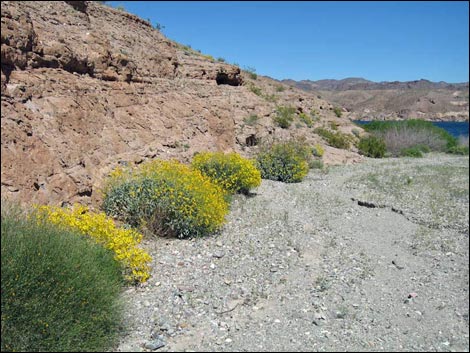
[284,116]
[461,147]
[271,97]
[399,135]
[287,162]
[306,119]
[231,171]
[251,72]
[338,112]
[123,242]
[220,59]
[318,150]
[356,132]
[60,291]
[251,120]
[256,90]
[334,139]
[280,88]
[372,146]
[316,164]
[166,198]
[414,151]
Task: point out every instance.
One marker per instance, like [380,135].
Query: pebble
[154,344]
[218,254]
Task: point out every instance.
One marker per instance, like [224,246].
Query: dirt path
[365,257]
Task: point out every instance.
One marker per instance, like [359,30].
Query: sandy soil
[365,257]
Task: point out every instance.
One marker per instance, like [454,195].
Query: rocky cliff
[85,87]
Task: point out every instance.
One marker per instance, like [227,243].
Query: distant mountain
[368,100]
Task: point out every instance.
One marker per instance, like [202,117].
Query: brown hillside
[86,87]
[367,100]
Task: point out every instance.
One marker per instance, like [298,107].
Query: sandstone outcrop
[86,87]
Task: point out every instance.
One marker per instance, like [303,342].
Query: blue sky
[379,41]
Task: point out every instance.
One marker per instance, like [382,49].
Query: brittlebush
[231,171]
[166,198]
[123,242]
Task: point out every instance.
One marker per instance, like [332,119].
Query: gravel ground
[365,257]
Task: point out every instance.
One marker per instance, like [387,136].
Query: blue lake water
[454,128]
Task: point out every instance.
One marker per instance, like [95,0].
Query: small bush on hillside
[231,171]
[60,291]
[284,116]
[372,146]
[251,120]
[286,162]
[123,242]
[251,72]
[338,112]
[318,150]
[166,198]
[334,139]
[306,119]
[316,164]
[256,90]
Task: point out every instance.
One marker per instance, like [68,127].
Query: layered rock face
[86,87]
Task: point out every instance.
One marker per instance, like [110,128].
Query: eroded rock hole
[251,140]
[224,79]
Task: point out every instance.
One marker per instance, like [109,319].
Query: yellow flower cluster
[123,242]
[318,150]
[231,171]
[178,200]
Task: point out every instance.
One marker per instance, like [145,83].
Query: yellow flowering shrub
[123,242]
[231,171]
[318,150]
[286,162]
[166,198]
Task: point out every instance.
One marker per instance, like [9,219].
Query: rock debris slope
[86,87]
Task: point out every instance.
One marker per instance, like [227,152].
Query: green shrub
[123,242]
[372,146]
[460,150]
[280,88]
[256,90]
[334,139]
[251,120]
[461,147]
[231,171]
[316,164]
[399,135]
[166,198]
[411,152]
[251,72]
[318,150]
[271,97]
[286,162]
[356,132]
[60,291]
[284,116]
[338,112]
[306,119]
[222,60]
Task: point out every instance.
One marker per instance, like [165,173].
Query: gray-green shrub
[60,291]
